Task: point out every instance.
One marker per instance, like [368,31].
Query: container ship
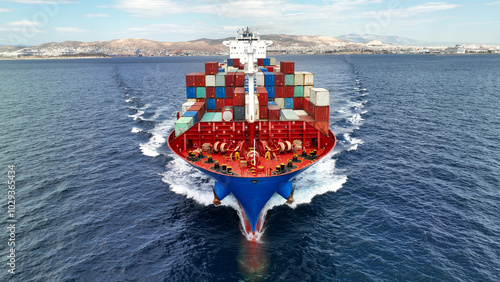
[252,124]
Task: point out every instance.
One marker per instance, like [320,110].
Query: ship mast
[248,47]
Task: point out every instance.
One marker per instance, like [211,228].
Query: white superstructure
[248,47]
[238,47]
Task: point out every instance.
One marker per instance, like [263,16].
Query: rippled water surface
[411,192]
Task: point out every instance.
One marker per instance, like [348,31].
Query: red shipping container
[191,79]
[273,112]
[307,118]
[230,79]
[263,112]
[321,113]
[200,100]
[322,126]
[240,79]
[211,68]
[210,91]
[307,103]
[288,91]
[239,90]
[199,109]
[312,111]
[287,67]
[201,104]
[262,95]
[260,61]
[200,79]
[229,92]
[270,68]
[236,62]
[242,67]
[220,103]
[279,92]
[239,99]
[229,102]
[298,103]
[279,79]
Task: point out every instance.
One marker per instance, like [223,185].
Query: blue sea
[410,193]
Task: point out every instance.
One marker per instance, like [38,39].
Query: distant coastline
[282,44]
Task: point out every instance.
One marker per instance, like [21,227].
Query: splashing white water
[157,139]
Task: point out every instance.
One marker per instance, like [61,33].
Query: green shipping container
[208,117]
[220,79]
[298,92]
[217,117]
[201,92]
[289,79]
[182,125]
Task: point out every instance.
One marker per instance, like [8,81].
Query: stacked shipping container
[281,93]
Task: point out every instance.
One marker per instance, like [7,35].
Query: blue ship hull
[252,193]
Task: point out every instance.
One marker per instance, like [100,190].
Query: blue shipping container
[230,62]
[267,62]
[269,79]
[191,92]
[289,103]
[270,91]
[192,114]
[221,70]
[220,92]
[211,104]
[272,103]
[263,70]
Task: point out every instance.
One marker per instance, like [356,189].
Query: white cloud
[429,7]
[251,10]
[151,8]
[23,23]
[96,15]
[24,26]
[70,30]
[492,3]
[4,10]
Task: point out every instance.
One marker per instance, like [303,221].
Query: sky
[32,22]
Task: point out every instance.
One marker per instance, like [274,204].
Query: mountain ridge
[282,43]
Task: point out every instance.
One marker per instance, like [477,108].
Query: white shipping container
[256,106]
[307,91]
[185,107]
[287,114]
[320,97]
[191,100]
[259,78]
[300,112]
[273,61]
[308,78]
[220,79]
[210,80]
[280,102]
[299,78]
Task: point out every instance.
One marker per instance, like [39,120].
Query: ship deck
[238,159]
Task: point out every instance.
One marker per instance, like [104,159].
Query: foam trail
[157,140]
[352,141]
[195,185]
[137,115]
